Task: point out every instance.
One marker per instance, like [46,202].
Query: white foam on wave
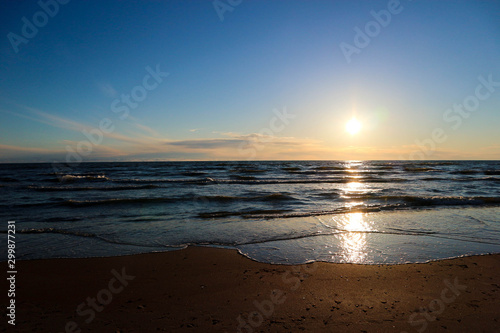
[69,178]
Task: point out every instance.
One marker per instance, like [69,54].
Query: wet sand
[218,290]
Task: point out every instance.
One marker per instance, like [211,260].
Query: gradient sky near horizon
[228,79]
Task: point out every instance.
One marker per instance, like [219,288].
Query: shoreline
[218,289]
[351,237]
[238,251]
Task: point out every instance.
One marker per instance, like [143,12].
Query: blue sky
[230,81]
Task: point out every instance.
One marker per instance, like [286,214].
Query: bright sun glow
[353,126]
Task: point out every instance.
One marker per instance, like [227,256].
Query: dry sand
[208,289]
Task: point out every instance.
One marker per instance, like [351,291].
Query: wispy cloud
[107,89]
[207,143]
[20,115]
[11,148]
[136,138]
[147,129]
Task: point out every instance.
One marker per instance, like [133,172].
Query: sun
[353,126]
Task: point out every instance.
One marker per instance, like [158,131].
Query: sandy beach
[218,290]
[250,166]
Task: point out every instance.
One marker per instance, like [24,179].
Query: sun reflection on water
[353,225]
[352,192]
[353,187]
[353,240]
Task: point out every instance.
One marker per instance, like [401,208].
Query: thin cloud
[107,90]
[207,143]
[11,148]
[239,140]
[147,129]
[68,124]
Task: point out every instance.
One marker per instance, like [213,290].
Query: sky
[86,81]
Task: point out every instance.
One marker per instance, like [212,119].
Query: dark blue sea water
[279,211]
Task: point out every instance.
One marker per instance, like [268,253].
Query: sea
[282,212]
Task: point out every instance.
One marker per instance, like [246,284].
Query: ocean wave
[272,197]
[434,179]
[260,212]
[399,232]
[418,169]
[291,169]
[435,163]
[413,201]
[318,175]
[329,194]
[334,232]
[382,180]
[380,203]
[465,172]
[341,180]
[8,179]
[56,231]
[361,196]
[476,179]
[91,188]
[288,214]
[311,177]
[162,180]
[193,173]
[248,170]
[238,177]
[72,178]
[475,172]
[341,172]
[62,219]
[323,168]
[120,201]
[266,197]
[494,179]
[410,200]
[384,167]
